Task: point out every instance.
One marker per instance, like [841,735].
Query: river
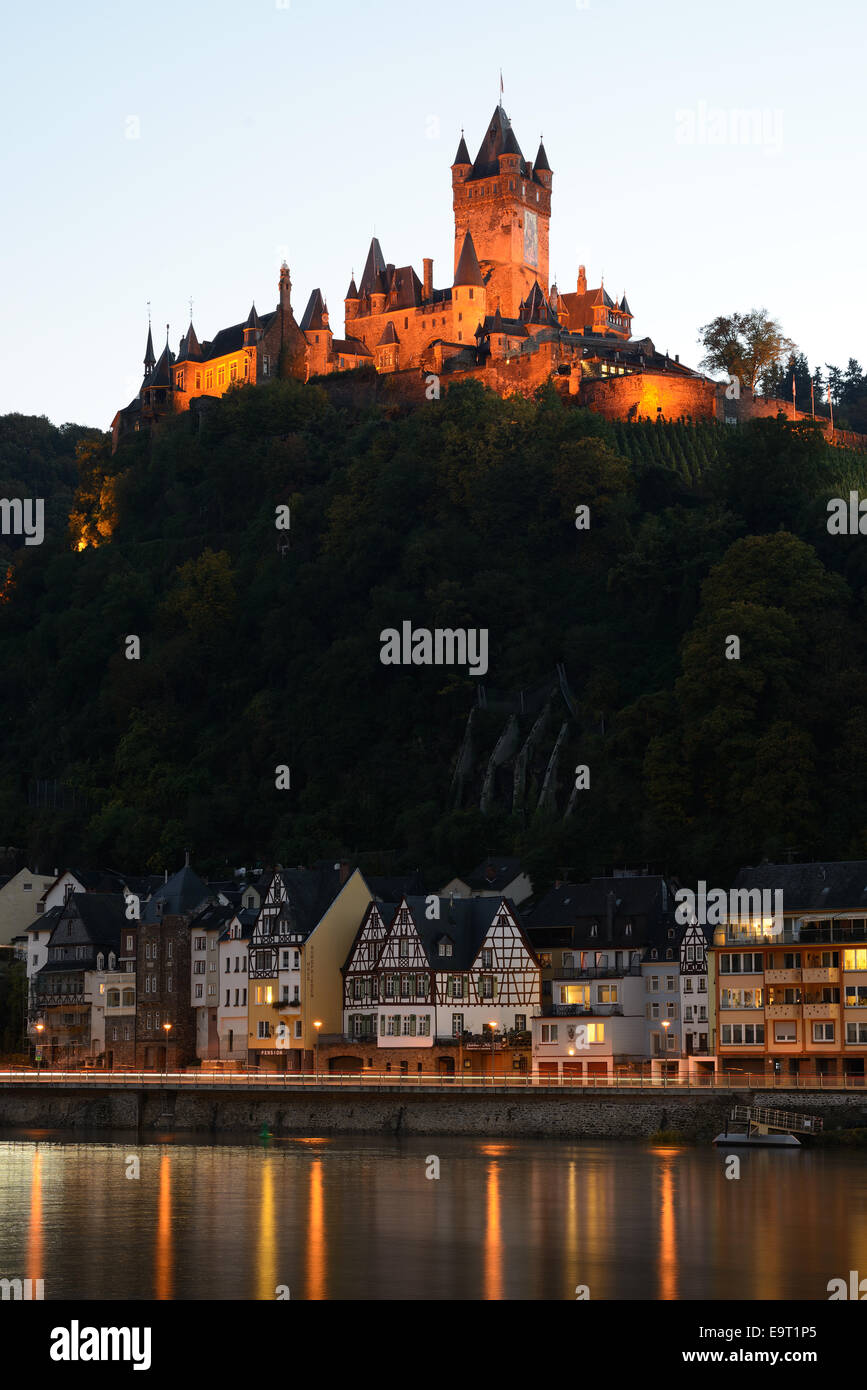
[359,1218]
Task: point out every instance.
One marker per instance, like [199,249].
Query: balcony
[585,1010]
[817,975]
[782,977]
[597,972]
[821,1011]
[782,1011]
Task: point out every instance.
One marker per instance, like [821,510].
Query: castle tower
[468,294]
[351,301]
[505,204]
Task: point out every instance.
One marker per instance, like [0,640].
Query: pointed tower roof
[463,154]
[541,160]
[190,350]
[162,374]
[624,306]
[352,292]
[468,271]
[313,313]
[374,266]
[499,139]
[253,317]
[388,336]
[149,358]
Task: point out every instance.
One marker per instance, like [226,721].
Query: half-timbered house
[429,970]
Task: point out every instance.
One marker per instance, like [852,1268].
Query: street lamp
[40,1029]
[317,1024]
[493,1027]
[666,1024]
[167,1028]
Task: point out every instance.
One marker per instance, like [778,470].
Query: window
[606,994]
[405,985]
[486,983]
[856,1032]
[169,948]
[595,1032]
[244,1000]
[130,943]
[298,1028]
[227,999]
[785,1032]
[549,1032]
[823,1032]
[421,985]
[221,376]
[112,999]
[199,991]
[264,1028]
[198,381]
[198,967]
[456,986]
[233,371]
[856,996]
[652,983]
[740,1033]
[687,986]
[575,994]
[855,960]
[446,948]
[669,982]
[520,1023]
[403,949]
[169,984]
[457,1025]
[128,998]
[487,959]
[209,379]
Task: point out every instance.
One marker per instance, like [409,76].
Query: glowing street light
[493,1027]
[167,1028]
[40,1029]
[317,1024]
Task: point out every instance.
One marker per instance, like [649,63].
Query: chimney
[582,280]
[428,278]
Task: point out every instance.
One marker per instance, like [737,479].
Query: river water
[358,1218]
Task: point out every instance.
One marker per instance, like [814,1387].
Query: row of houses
[327,968]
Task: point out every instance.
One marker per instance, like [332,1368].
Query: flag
[501,81]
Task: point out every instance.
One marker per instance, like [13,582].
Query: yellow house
[305,927]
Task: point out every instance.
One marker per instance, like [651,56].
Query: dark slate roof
[541,160]
[405,289]
[463,921]
[495,323]
[311,892]
[213,915]
[468,271]
[352,292]
[149,358]
[313,313]
[184,892]
[190,350]
[840,886]
[499,139]
[162,370]
[388,335]
[46,919]
[245,919]
[536,308]
[102,914]
[494,874]
[392,889]
[463,154]
[374,266]
[252,317]
[624,306]
[579,905]
[350,347]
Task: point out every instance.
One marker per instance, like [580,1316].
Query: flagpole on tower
[501,88]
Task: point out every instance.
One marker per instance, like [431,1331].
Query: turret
[582,280]
[149,359]
[468,292]
[351,300]
[252,328]
[462,163]
[285,290]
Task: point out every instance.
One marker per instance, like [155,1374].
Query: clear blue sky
[269,130]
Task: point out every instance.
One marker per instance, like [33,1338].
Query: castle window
[460,337]
[209,380]
[406,323]
[233,371]
[246,368]
[265,366]
[221,376]
[179,381]
[317,337]
[198,381]
[471,294]
[460,318]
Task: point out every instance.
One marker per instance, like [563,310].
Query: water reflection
[356,1218]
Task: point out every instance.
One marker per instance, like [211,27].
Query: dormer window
[112,961]
[446,948]
[100,961]
[594,929]
[627,930]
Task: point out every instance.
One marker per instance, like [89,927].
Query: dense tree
[747,346]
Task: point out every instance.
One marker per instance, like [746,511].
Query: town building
[232,1008]
[207,927]
[19,896]
[792,992]
[496,877]
[299,941]
[425,980]
[67,997]
[165,1030]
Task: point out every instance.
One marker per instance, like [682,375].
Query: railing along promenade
[387,1081]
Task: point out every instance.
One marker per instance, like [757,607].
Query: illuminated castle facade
[499,319]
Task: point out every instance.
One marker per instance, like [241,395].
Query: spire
[190,351]
[624,306]
[468,271]
[315,315]
[352,292]
[374,266]
[541,160]
[253,317]
[149,358]
[499,139]
[463,154]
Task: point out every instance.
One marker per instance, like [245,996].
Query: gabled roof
[463,921]
[578,906]
[350,347]
[374,266]
[310,893]
[499,139]
[494,874]
[313,313]
[405,288]
[46,919]
[468,270]
[232,339]
[393,889]
[463,154]
[213,916]
[102,915]
[184,892]
[536,308]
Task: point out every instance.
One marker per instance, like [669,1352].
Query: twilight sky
[174,150]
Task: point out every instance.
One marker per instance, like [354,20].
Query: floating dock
[758,1126]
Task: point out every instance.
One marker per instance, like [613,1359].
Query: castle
[499,320]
